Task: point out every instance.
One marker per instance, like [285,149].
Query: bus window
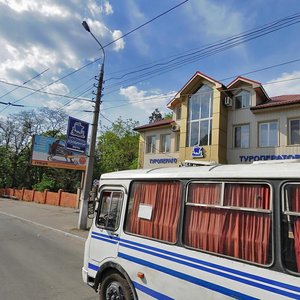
[233,219]
[153,210]
[291,227]
[110,209]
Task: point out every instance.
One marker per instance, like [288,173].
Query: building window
[150,144]
[242,100]
[200,117]
[295,131]
[177,141]
[241,136]
[268,134]
[165,143]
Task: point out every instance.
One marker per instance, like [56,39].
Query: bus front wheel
[115,287]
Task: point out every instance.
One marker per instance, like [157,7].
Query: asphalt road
[39,263]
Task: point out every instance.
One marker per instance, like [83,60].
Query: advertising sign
[198,152]
[77,135]
[51,152]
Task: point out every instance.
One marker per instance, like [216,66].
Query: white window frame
[165,143]
[246,99]
[177,142]
[234,136]
[151,145]
[268,123]
[290,131]
[198,95]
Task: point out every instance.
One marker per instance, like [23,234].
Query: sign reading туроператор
[77,135]
[251,158]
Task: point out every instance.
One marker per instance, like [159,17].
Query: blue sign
[77,135]
[198,151]
[252,158]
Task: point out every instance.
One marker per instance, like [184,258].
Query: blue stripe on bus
[104,239]
[218,267]
[139,286]
[93,267]
[151,292]
[216,272]
[112,237]
[189,278]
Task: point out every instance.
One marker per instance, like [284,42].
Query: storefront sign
[163,161]
[198,152]
[77,135]
[251,158]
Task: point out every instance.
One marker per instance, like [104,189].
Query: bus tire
[115,286]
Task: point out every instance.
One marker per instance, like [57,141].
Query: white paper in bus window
[145,211]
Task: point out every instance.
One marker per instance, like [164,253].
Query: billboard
[52,152]
[77,135]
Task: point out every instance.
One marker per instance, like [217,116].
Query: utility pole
[88,178]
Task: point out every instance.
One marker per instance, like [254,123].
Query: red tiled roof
[242,79]
[154,124]
[279,101]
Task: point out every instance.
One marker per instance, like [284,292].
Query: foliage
[168,115]
[118,147]
[45,183]
[16,133]
[155,116]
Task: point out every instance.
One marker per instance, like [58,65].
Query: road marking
[44,226]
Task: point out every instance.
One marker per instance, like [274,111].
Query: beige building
[237,123]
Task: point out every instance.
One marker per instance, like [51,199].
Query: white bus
[206,232]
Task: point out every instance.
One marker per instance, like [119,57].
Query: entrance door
[106,227]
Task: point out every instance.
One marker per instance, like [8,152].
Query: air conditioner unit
[228,101]
[175,127]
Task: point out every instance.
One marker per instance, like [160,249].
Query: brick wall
[59,198]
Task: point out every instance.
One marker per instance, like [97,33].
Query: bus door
[106,228]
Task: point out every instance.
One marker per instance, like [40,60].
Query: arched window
[200,117]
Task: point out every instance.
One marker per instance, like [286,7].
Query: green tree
[16,133]
[118,147]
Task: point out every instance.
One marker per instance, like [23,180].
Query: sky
[44,47]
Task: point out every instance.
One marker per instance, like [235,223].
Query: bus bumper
[84,273]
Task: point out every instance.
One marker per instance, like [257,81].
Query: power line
[215,98]
[146,23]
[40,91]
[210,50]
[25,82]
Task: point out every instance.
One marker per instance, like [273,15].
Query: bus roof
[263,169]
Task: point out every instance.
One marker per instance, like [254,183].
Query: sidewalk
[60,218]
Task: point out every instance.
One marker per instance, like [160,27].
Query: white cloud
[287,83]
[215,19]
[120,44]
[96,9]
[42,6]
[108,8]
[147,100]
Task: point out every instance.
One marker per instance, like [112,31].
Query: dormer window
[242,99]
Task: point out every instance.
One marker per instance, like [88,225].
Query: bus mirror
[91,209]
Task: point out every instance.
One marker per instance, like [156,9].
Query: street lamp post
[85,194]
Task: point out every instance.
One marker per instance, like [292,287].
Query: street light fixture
[85,194]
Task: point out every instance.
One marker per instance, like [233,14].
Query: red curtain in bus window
[295,206]
[246,235]
[204,225]
[164,200]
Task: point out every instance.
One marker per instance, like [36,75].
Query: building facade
[237,123]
